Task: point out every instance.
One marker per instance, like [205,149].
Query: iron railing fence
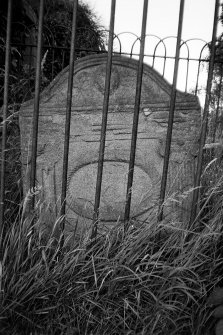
[32,57]
[194,55]
[193,66]
[159,52]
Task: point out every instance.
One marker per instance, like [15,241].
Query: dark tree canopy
[58,19]
[56,40]
[57,22]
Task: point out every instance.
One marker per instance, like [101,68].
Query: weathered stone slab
[88,89]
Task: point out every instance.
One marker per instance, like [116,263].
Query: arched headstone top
[85,135]
[89,83]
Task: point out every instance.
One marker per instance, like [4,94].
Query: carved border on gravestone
[83,64]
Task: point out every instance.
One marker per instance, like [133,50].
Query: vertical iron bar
[171,115]
[63,56]
[104,121]
[35,121]
[52,66]
[5,108]
[164,66]
[218,107]
[30,57]
[198,74]
[188,65]
[205,119]
[135,117]
[4,134]
[68,115]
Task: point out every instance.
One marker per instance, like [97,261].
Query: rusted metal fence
[159,52]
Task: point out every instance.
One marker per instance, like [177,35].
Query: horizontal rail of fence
[158,53]
[193,72]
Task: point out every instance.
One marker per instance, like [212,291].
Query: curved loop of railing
[120,44]
[196,40]
[137,39]
[126,32]
[187,59]
[190,58]
[165,53]
[169,37]
[199,65]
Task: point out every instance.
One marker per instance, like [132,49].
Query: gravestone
[86,116]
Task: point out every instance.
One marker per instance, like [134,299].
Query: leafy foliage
[58,20]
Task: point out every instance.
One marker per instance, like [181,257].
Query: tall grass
[153,280]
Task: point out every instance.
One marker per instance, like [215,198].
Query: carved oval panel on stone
[81,191]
